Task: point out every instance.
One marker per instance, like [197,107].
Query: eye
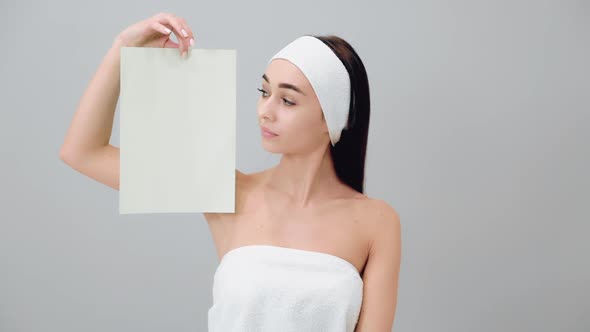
[287,102]
[263,92]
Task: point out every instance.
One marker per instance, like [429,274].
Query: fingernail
[184,33]
[166,30]
[192,42]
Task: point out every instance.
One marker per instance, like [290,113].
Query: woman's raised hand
[155,32]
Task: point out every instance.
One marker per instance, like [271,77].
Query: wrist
[117,43]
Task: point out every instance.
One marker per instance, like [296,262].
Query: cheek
[306,127]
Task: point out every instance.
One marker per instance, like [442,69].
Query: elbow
[65,155]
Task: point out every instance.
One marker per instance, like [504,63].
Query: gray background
[479,138]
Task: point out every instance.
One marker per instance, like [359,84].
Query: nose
[266,110]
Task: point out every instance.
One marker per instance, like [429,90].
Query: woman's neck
[305,179]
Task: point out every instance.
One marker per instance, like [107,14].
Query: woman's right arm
[86,146]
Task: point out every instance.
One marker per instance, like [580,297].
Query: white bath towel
[265,288]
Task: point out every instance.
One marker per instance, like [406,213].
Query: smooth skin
[86,146]
[299,203]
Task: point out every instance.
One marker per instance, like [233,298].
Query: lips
[268,131]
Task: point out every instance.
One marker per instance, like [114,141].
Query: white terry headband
[328,77]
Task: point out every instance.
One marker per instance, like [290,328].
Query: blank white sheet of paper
[177,130]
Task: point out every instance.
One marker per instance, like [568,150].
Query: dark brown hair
[350,151]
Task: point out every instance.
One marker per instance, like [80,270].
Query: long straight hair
[350,151]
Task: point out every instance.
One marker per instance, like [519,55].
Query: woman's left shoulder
[379,210]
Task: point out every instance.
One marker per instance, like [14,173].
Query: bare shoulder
[242,182]
[385,212]
[383,218]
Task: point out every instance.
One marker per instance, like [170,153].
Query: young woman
[306,249]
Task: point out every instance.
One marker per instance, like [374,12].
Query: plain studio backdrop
[479,138]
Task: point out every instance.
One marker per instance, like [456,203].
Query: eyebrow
[285,85]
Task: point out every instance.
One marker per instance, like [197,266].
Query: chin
[271,147]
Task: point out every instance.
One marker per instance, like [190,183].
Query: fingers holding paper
[183,32]
[155,32]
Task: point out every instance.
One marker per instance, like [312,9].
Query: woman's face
[295,116]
